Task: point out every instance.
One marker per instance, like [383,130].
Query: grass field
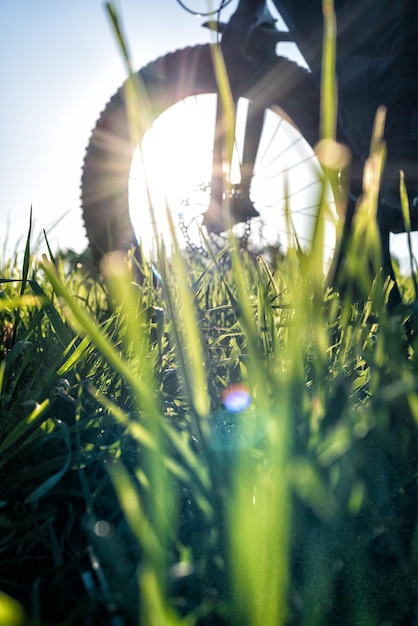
[205,452]
[236,445]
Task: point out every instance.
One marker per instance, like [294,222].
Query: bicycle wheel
[173,170]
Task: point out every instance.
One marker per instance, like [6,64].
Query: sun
[173,168]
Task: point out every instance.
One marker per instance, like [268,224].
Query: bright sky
[60,64]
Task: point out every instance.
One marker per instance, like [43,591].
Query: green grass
[127,484]
[132,493]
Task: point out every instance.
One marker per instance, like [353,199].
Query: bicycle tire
[275,83]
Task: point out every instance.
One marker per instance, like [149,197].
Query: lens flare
[103,529]
[236,398]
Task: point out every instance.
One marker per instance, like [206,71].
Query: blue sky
[59,64]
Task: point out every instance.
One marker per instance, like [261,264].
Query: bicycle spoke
[269,157]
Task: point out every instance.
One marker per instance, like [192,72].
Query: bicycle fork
[230,202]
[250,35]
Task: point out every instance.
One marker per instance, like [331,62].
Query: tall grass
[237,446]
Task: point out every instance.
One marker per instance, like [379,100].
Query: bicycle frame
[266,82]
[251,32]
